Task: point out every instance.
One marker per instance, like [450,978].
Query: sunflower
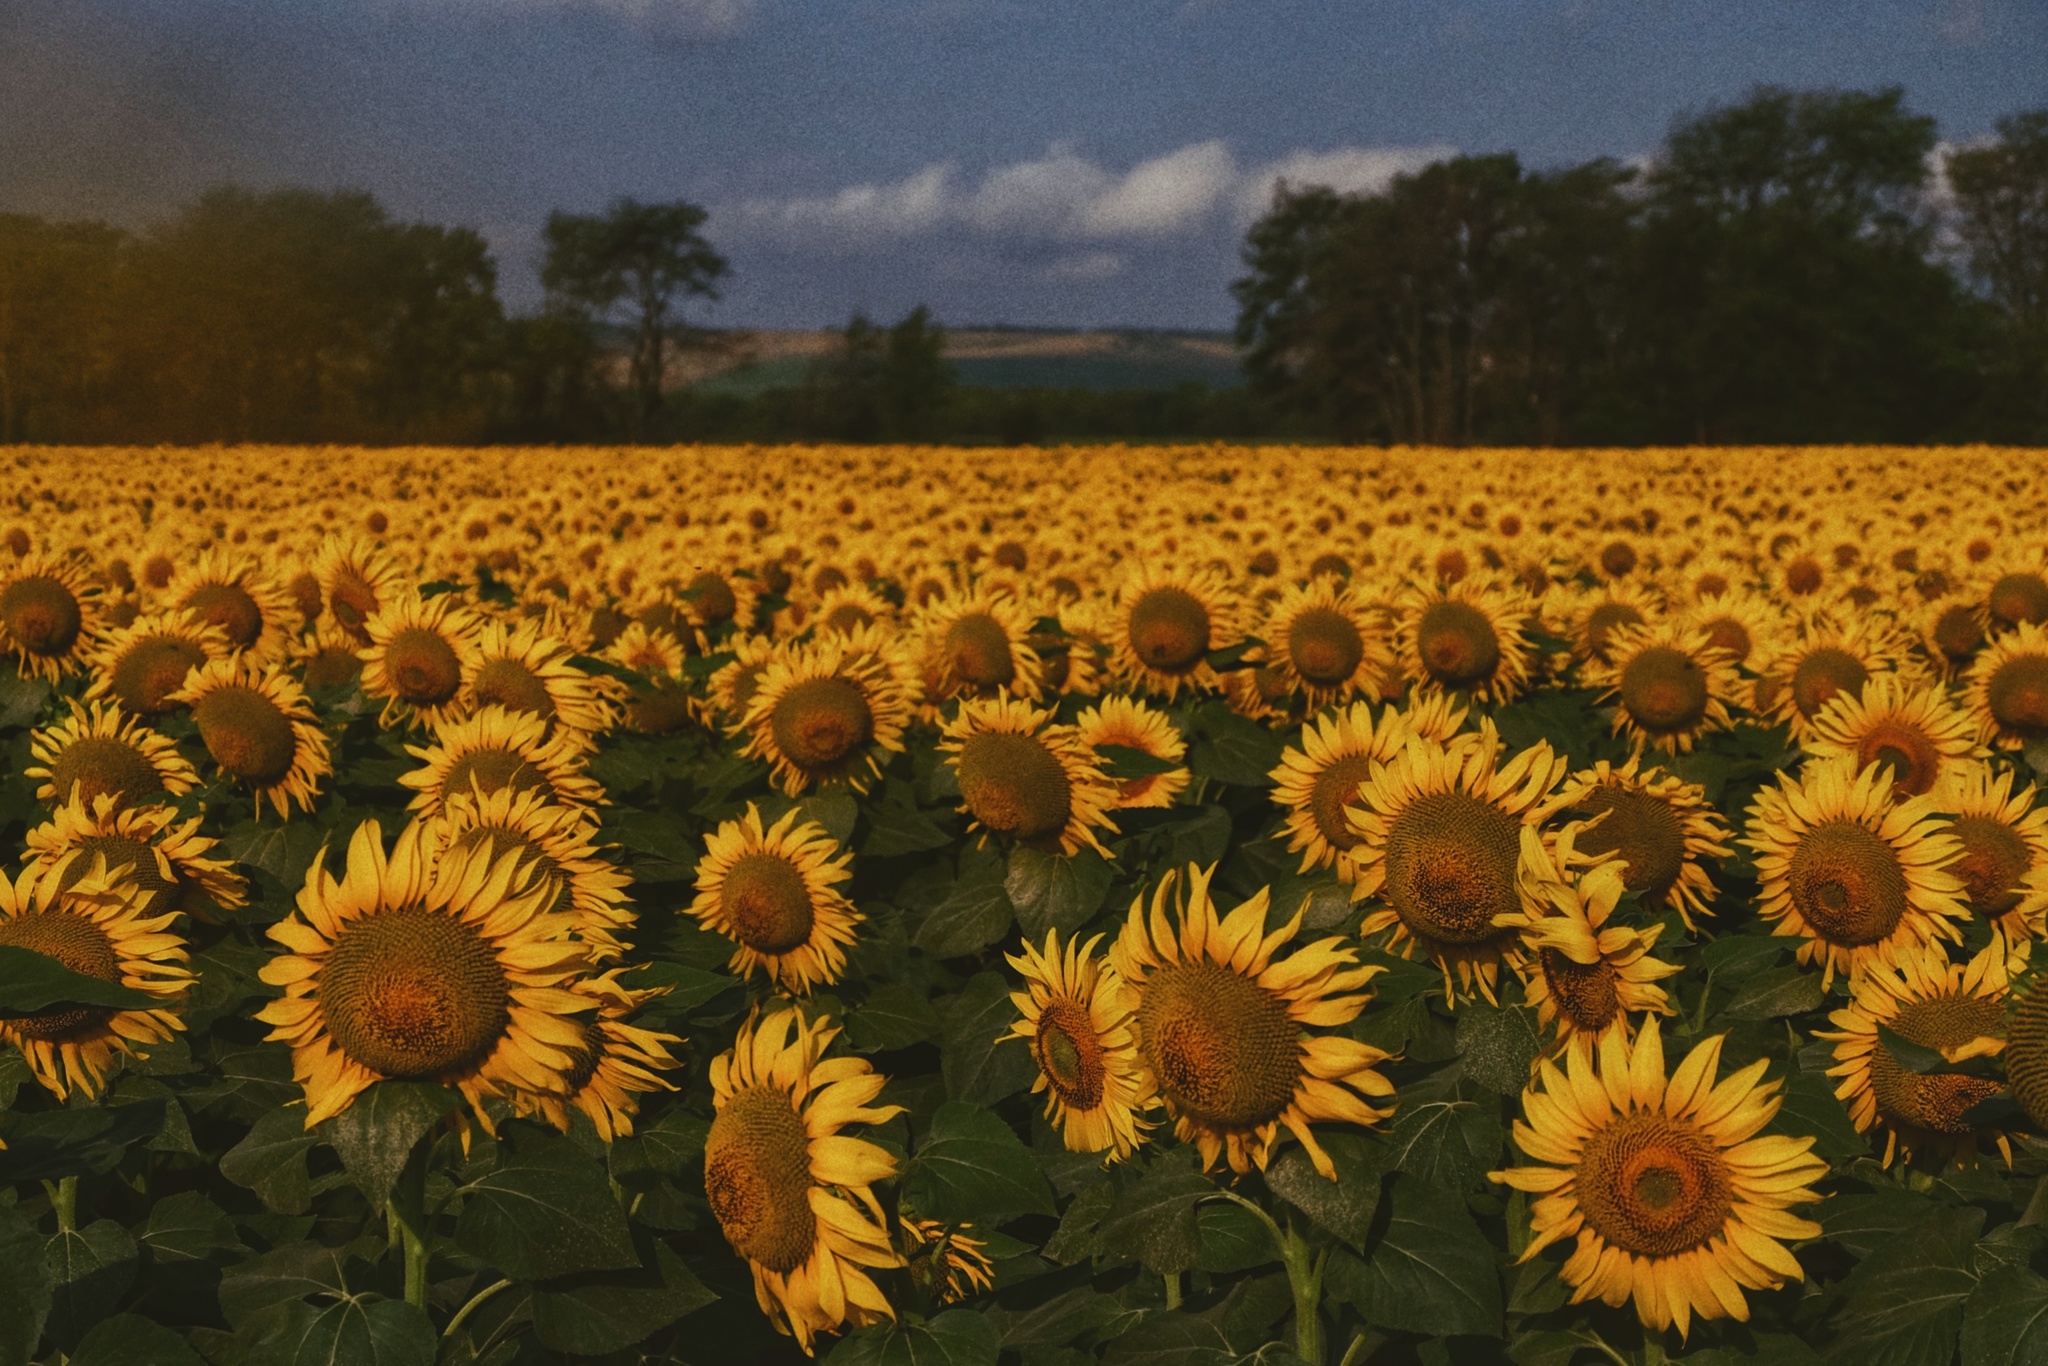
[500,749]
[1591,619]
[260,729]
[99,926]
[49,615]
[1955,1009]
[96,752]
[2017,597]
[1439,831]
[1026,779]
[774,892]
[1166,623]
[553,843]
[328,657]
[792,1193]
[718,602]
[852,607]
[1859,876]
[978,645]
[147,846]
[523,669]
[947,1262]
[229,591]
[1466,638]
[1585,976]
[1661,826]
[356,578]
[1316,782]
[1825,662]
[733,684]
[1127,723]
[1322,640]
[1951,632]
[1745,626]
[1079,1017]
[614,1065]
[2007,687]
[1669,686]
[418,651]
[1674,1200]
[141,664]
[2004,860]
[418,968]
[1221,1025]
[825,714]
[1909,729]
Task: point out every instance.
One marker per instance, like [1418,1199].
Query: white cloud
[1036,198]
[907,206]
[1164,195]
[1347,170]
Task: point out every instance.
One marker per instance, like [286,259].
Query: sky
[1084,163]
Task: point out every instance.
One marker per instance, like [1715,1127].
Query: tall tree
[57,317]
[2001,198]
[642,259]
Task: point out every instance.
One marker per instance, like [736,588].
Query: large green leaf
[187,1226]
[595,1314]
[1498,1045]
[292,1271]
[893,1016]
[1810,1109]
[974,914]
[32,982]
[24,1288]
[1775,992]
[1428,1269]
[2005,1320]
[546,1210]
[1055,891]
[971,1167]
[90,1269]
[1449,1142]
[271,1160]
[1345,1206]
[378,1131]
[352,1332]
[979,1065]
[48,1144]
[1903,1305]
[1154,1219]
[958,1337]
[130,1340]
[1229,748]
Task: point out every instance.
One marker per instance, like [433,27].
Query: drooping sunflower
[664,700]
[96,751]
[791,1191]
[553,842]
[1440,838]
[49,615]
[1858,875]
[1585,976]
[2017,596]
[978,645]
[1590,619]
[949,1263]
[500,749]
[616,1063]
[2007,688]
[1025,778]
[1127,723]
[1078,1016]
[165,858]
[1951,632]
[1325,641]
[1674,1200]
[1669,686]
[141,664]
[1316,782]
[328,657]
[1909,728]
[1222,1025]
[418,650]
[97,926]
[826,714]
[355,578]
[418,968]
[1827,660]
[1466,638]
[2004,859]
[1662,828]
[774,891]
[260,729]
[522,668]
[229,591]
[733,685]
[1955,1009]
[1165,623]
[1744,625]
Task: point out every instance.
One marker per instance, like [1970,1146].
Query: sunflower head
[260,730]
[97,752]
[1467,638]
[1077,1015]
[48,613]
[774,890]
[1026,779]
[140,665]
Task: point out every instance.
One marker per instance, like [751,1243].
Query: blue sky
[1086,162]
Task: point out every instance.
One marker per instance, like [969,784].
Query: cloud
[1164,195]
[665,18]
[898,209]
[1347,170]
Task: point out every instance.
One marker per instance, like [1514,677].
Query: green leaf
[672,1144]
[1743,952]
[293,1271]
[834,812]
[1060,1320]
[1449,1143]
[2005,1320]
[1864,1223]
[354,1332]
[975,913]
[1124,763]
[971,1167]
[1810,1108]
[378,1131]
[893,1016]
[1154,1220]
[1912,1056]
[1233,749]
[32,982]
[21,700]
[1345,1206]
[90,1269]
[958,1337]
[594,1315]
[1054,891]
[1168,1338]
[1428,1270]
[271,1160]
[48,1144]
[1202,838]
[186,1227]
[1073,1241]
[1233,1239]
[1499,1045]
[24,1288]
[130,1340]
[978,1064]
[285,851]
[546,1210]
[1775,992]
[1903,1305]
[895,829]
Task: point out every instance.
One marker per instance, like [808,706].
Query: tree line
[1800,266]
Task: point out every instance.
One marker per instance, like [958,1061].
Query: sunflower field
[892,906]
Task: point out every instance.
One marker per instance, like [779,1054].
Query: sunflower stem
[1653,1350]
[64,1202]
[1305,1276]
[1173,1290]
[475,1303]
[408,1210]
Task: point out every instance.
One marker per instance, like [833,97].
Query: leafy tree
[56,319]
[884,384]
[2001,196]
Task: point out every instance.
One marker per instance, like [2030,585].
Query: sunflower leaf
[1903,1305]
[24,1288]
[362,1331]
[1232,749]
[2005,1320]
[32,982]
[46,1145]
[958,1337]
[1776,992]
[1912,1056]
[978,1064]
[131,1340]
[1499,1044]
[1124,763]
[271,1161]
[975,913]
[546,1210]
[1428,1269]
[1345,1206]
[972,1167]
[378,1131]
[595,1314]
[1052,891]
[1154,1220]
[90,1269]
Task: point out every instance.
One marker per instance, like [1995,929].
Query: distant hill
[749,362]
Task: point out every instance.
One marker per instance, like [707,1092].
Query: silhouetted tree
[57,315]
[2001,196]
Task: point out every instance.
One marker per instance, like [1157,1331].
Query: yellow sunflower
[230,592]
[1745,626]
[734,684]
[98,926]
[356,577]
[1079,1018]
[418,650]
[49,615]
[852,607]
[141,664]
[1440,838]
[418,968]
[2004,860]
[978,645]
[1127,723]
[1166,623]
[1670,687]
[1466,638]
[826,714]
[554,843]
[1827,660]
[1661,826]
[165,858]
[1674,1200]
[948,1263]
[616,1063]
[1912,730]
[1955,1009]
[1315,783]
[1324,640]
[260,729]
[328,657]
[96,752]
[523,669]
[791,1191]
[1026,779]
[2007,687]
[1951,633]
[2017,597]
[1857,875]
[500,749]
[1221,1025]
[1591,619]
[774,892]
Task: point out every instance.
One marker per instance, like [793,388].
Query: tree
[2001,198]
[641,258]
[884,384]
[57,317]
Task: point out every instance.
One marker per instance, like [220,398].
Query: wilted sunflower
[774,892]
[792,1193]
[99,927]
[1024,778]
[1955,1009]
[497,749]
[1585,977]
[826,714]
[523,669]
[260,729]
[1910,729]
[978,645]
[2004,860]
[1669,686]
[230,592]
[553,843]
[166,859]
[419,648]
[2007,687]
[1221,1025]
[1951,632]
[49,615]
[1466,638]
[1440,838]
[96,752]
[1857,875]
[356,578]
[720,602]
[947,1262]
[1314,783]
[1674,1199]
[417,968]
[614,1065]
[1661,826]
[1827,660]
[1324,641]
[141,664]
[1127,723]
[1079,1016]
[1166,623]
